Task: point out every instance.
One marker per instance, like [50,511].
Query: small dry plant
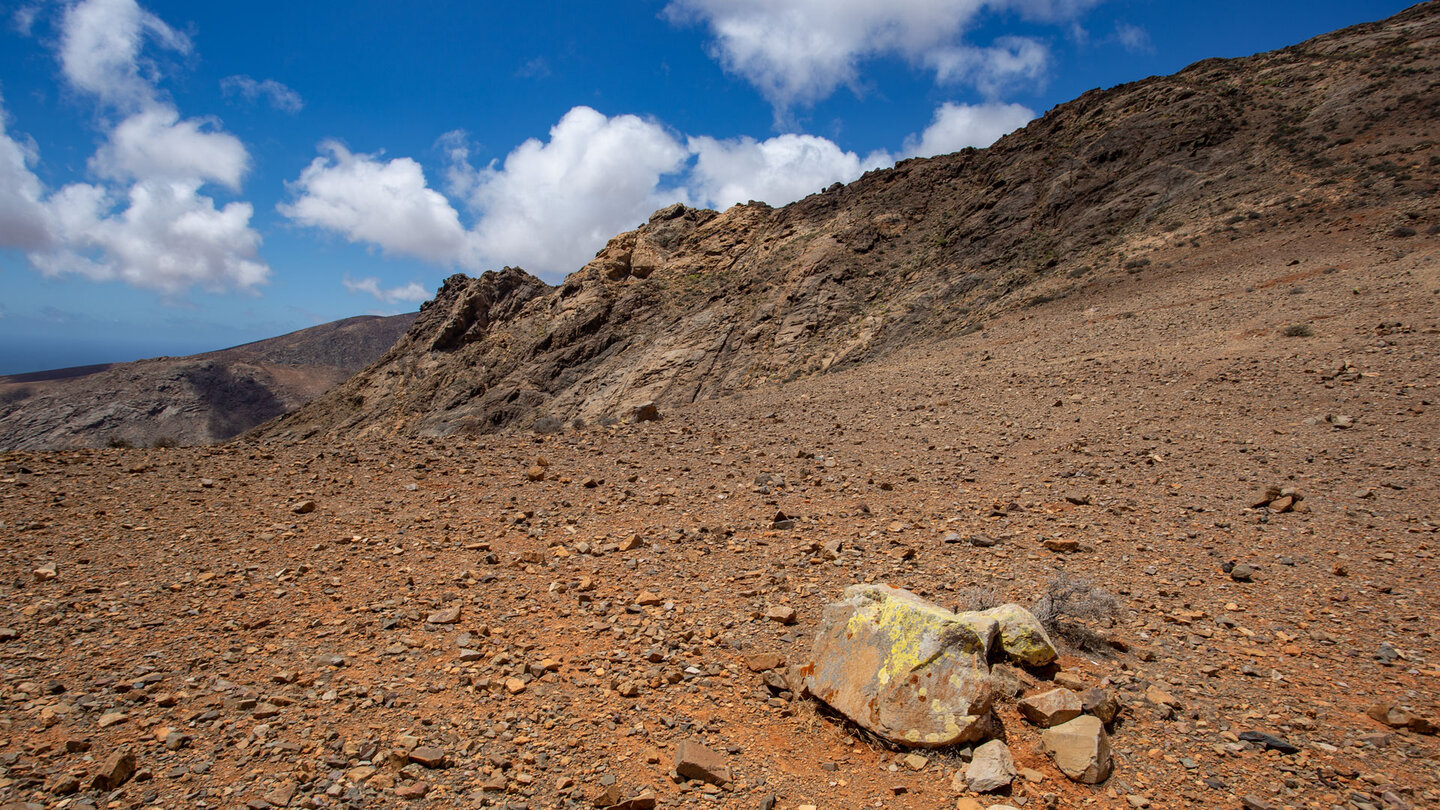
[1068,608]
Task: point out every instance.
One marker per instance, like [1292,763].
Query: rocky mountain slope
[190,400]
[697,304]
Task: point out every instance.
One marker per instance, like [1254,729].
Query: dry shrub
[976,598]
[1070,605]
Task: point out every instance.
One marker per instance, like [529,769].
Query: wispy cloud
[411,292]
[276,94]
[797,52]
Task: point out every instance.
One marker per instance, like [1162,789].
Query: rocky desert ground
[1207,460]
[541,620]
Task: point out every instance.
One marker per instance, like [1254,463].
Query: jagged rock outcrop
[698,304]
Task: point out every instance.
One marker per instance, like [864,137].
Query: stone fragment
[281,795]
[449,615]
[760,662]
[428,756]
[1051,708]
[991,768]
[694,761]
[303,507]
[535,473]
[414,790]
[1160,697]
[781,614]
[907,670]
[115,771]
[915,762]
[1062,545]
[1243,573]
[1021,635]
[1080,748]
[645,412]
[1101,703]
[46,572]
[1269,742]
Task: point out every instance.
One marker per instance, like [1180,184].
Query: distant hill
[198,399]
[1335,134]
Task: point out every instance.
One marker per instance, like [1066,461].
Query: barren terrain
[1226,417]
[1139,418]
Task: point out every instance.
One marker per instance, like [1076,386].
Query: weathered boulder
[1022,637]
[909,671]
[1080,748]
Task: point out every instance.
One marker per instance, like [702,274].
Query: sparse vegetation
[1298,330]
[1403,231]
[164,442]
[1068,608]
[976,598]
[118,443]
[547,425]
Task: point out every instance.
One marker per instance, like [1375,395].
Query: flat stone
[694,761]
[781,614]
[760,662]
[448,615]
[428,756]
[1051,708]
[907,670]
[303,507]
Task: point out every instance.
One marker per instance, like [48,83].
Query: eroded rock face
[907,670]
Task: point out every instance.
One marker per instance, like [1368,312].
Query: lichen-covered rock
[907,670]
[1022,637]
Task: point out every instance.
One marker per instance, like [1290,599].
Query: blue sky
[180,176]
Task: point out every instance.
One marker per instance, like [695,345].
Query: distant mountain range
[198,399]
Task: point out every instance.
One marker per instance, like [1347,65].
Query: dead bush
[1068,608]
[976,598]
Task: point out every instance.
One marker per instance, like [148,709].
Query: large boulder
[907,670]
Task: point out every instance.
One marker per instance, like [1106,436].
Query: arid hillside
[1336,132]
[199,399]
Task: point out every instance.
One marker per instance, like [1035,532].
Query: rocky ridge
[696,304]
[199,399]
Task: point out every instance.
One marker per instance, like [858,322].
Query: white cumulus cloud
[956,126]
[797,52]
[280,97]
[411,292]
[160,235]
[383,202]
[101,46]
[550,205]
[155,144]
[778,170]
[147,221]
[24,219]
